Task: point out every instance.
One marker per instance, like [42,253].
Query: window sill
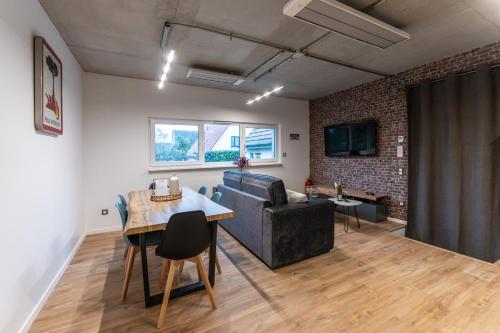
[153,169]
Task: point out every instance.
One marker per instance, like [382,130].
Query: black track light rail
[282,48]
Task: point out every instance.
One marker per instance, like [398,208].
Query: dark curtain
[454,163]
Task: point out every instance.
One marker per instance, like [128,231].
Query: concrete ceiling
[122,37]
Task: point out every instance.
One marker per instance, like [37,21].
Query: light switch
[400,151]
[401,139]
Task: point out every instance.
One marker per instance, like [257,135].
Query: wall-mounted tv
[351,139]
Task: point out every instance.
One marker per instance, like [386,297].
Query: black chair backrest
[186,235]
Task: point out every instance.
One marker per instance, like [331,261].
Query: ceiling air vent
[344,20]
[214,76]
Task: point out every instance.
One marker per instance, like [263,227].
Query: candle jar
[313,193]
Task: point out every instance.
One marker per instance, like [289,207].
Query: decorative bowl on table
[164,195]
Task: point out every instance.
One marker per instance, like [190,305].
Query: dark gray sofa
[277,232]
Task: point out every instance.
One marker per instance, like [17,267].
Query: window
[219,139]
[203,144]
[174,142]
[260,143]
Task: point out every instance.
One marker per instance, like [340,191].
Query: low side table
[348,204]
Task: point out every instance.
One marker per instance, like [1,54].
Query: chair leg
[207,284]
[164,271]
[128,271]
[166,296]
[179,272]
[127,253]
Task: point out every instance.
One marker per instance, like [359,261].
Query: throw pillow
[293,196]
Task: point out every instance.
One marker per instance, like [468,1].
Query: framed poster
[48,89]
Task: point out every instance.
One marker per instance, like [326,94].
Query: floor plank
[371,282]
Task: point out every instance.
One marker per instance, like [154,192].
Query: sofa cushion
[267,187]
[294,196]
[233,179]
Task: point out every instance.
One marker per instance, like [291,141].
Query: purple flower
[242,162]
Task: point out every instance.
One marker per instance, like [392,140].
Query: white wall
[116,141]
[40,178]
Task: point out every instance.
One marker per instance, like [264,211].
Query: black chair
[186,236]
[215,198]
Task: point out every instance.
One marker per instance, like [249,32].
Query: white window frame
[200,163]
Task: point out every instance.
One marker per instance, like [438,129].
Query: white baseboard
[393,219]
[39,305]
[103,230]
[45,296]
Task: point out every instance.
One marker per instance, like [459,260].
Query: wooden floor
[371,282]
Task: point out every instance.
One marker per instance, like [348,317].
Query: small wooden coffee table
[348,204]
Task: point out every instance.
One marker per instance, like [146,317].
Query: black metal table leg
[346,219]
[357,219]
[211,258]
[145,272]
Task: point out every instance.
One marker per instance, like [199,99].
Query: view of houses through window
[219,142]
[260,143]
[178,142]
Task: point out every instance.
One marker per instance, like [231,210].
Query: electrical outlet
[104,212]
[284,154]
[401,203]
[400,171]
[399,152]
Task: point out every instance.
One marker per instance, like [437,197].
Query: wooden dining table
[145,216]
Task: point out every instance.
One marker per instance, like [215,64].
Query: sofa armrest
[296,231]
[247,225]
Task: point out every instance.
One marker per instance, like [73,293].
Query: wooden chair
[122,200]
[203,190]
[124,203]
[215,198]
[186,236]
[133,246]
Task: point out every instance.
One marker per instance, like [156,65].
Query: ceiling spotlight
[170,57]
[166,68]
[267,93]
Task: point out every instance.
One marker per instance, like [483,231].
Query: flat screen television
[351,139]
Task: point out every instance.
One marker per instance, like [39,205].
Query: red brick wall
[385,101]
